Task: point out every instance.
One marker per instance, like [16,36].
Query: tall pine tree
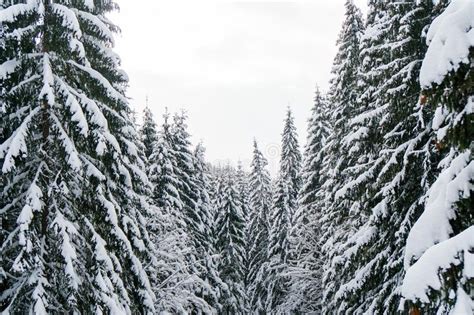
[343,97]
[148,132]
[282,217]
[200,292]
[175,283]
[210,273]
[230,243]
[162,172]
[258,229]
[72,239]
[306,271]
[394,163]
[441,241]
[195,215]
[243,190]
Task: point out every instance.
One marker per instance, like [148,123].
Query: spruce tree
[439,254]
[72,239]
[210,274]
[148,132]
[258,229]
[243,191]
[163,173]
[282,216]
[243,188]
[172,280]
[186,176]
[306,274]
[203,178]
[189,287]
[395,161]
[343,106]
[290,163]
[176,284]
[195,215]
[230,244]
[356,144]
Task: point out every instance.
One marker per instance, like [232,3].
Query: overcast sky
[234,66]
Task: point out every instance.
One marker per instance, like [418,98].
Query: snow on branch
[12,12]
[16,144]
[424,274]
[65,228]
[75,108]
[102,28]
[450,37]
[97,76]
[8,67]
[91,169]
[68,144]
[47,90]
[108,279]
[453,184]
[32,204]
[69,18]
[89,4]
[97,117]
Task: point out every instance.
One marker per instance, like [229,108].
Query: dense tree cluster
[374,216]
[391,187]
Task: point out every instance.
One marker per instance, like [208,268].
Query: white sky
[234,66]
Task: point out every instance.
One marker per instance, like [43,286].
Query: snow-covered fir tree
[355,148]
[392,177]
[343,105]
[290,164]
[439,251]
[148,132]
[283,210]
[188,189]
[73,238]
[195,216]
[258,229]
[208,253]
[162,172]
[306,271]
[230,243]
[97,218]
[203,178]
[242,182]
[243,188]
[176,284]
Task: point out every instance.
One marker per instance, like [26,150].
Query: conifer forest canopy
[104,212]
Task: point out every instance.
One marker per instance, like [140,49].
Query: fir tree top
[148,132]
[290,163]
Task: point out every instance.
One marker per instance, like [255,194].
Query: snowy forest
[374,214]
